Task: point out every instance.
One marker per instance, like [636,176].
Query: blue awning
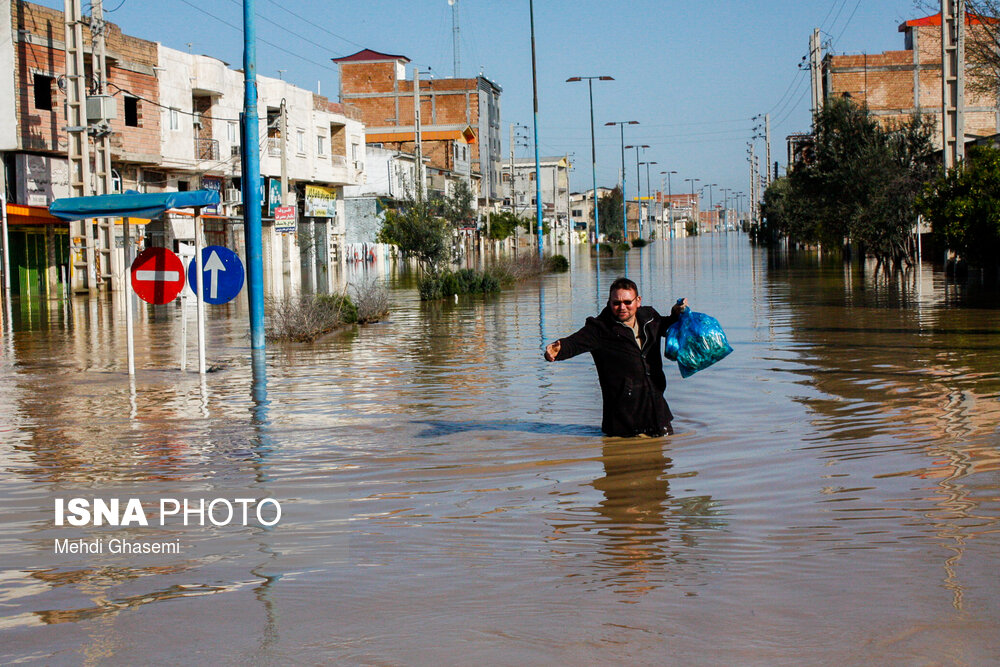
[130,205]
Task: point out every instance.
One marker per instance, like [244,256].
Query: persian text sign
[320,202]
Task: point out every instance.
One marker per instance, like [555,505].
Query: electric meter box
[101,107]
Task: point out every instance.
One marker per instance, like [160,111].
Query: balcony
[206,149]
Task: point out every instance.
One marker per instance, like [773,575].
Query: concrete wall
[8,121]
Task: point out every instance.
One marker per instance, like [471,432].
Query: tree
[963,207]
[503,225]
[609,212]
[457,208]
[861,185]
[417,231]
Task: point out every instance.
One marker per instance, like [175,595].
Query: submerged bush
[639,243]
[305,317]
[463,281]
[558,264]
[372,301]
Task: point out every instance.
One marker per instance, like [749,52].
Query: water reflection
[647,536]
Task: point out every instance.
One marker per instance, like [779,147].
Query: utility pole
[102,145]
[419,175]
[250,179]
[456,57]
[767,140]
[953,81]
[815,72]
[83,276]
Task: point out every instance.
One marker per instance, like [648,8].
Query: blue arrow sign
[221,276]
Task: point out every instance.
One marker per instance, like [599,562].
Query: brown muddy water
[831,495]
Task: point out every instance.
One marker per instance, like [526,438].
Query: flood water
[831,494]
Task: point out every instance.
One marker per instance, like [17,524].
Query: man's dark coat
[632,380]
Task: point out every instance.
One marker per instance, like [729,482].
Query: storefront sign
[320,202]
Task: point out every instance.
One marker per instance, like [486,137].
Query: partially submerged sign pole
[200,290]
[251,181]
[129,299]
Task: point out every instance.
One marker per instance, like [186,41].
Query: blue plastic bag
[695,341]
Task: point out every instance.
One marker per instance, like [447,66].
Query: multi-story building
[897,84]
[173,125]
[520,190]
[320,152]
[459,118]
[33,67]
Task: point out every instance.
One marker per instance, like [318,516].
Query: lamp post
[593,150]
[697,222]
[649,193]
[538,169]
[670,205]
[711,207]
[621,124]
[638,183]
[725,208]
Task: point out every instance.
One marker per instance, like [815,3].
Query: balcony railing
[206,149]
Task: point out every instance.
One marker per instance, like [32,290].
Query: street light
[621,124]
[711,206]
[670,204]
[649,193]
[593,150]
[697,222]
[725,207]
[638,183]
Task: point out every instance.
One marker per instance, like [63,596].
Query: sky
[693,74]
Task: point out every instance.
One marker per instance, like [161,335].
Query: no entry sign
[157,275]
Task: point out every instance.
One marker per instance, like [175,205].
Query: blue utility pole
[251,181]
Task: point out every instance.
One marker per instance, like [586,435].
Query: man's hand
[552,350]
[678,307]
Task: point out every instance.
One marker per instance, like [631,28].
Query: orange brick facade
[40,55]
[898,84]
[376,84]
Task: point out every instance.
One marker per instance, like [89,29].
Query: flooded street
[831,494]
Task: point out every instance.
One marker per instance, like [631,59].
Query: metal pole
[128,295]
[538,169]
[624,200]
[199,289]
[670,205]
[251,182]
[638,190]
[593,167]
[3,232]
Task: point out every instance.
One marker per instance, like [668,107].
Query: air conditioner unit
[359,165]
[233,196]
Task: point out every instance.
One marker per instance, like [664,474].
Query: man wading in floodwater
[625,343]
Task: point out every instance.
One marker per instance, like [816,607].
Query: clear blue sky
[692,73]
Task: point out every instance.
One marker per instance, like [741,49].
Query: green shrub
[558,264]
[606,249]
[639,243]
[624,247]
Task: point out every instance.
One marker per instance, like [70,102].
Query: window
[131,111]
[300,142]
[43,92]
[320,144]
[577,213]
[175,119]
[233,133]
[182,186]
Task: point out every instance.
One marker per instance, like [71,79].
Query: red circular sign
[157,275]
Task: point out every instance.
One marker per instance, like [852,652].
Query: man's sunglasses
[623,302]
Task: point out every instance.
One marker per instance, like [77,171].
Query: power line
[315,25]
[259,39]
[842,30]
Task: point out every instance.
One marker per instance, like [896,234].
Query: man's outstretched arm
[552,350]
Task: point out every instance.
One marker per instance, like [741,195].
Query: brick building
[459,118]
[898,84]
[36,167]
